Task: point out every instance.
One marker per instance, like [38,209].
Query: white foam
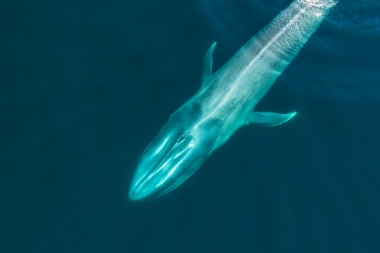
[319,3]
[318,7]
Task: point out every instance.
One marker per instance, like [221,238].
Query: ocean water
[86,85]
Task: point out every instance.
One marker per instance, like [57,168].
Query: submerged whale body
[226,100]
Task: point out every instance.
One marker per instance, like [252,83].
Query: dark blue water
[86,85]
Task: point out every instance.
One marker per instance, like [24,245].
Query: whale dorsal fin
[269,118]
[207,63]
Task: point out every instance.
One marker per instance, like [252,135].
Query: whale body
[226,101]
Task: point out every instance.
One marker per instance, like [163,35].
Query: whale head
[175,154]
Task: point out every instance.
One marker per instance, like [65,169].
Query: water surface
[86,85]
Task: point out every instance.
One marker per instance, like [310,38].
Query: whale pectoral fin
[207,63]
[269,118]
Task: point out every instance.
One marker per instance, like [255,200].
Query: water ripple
[358,18]
[346,42]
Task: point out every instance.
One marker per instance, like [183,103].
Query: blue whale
[226,101]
